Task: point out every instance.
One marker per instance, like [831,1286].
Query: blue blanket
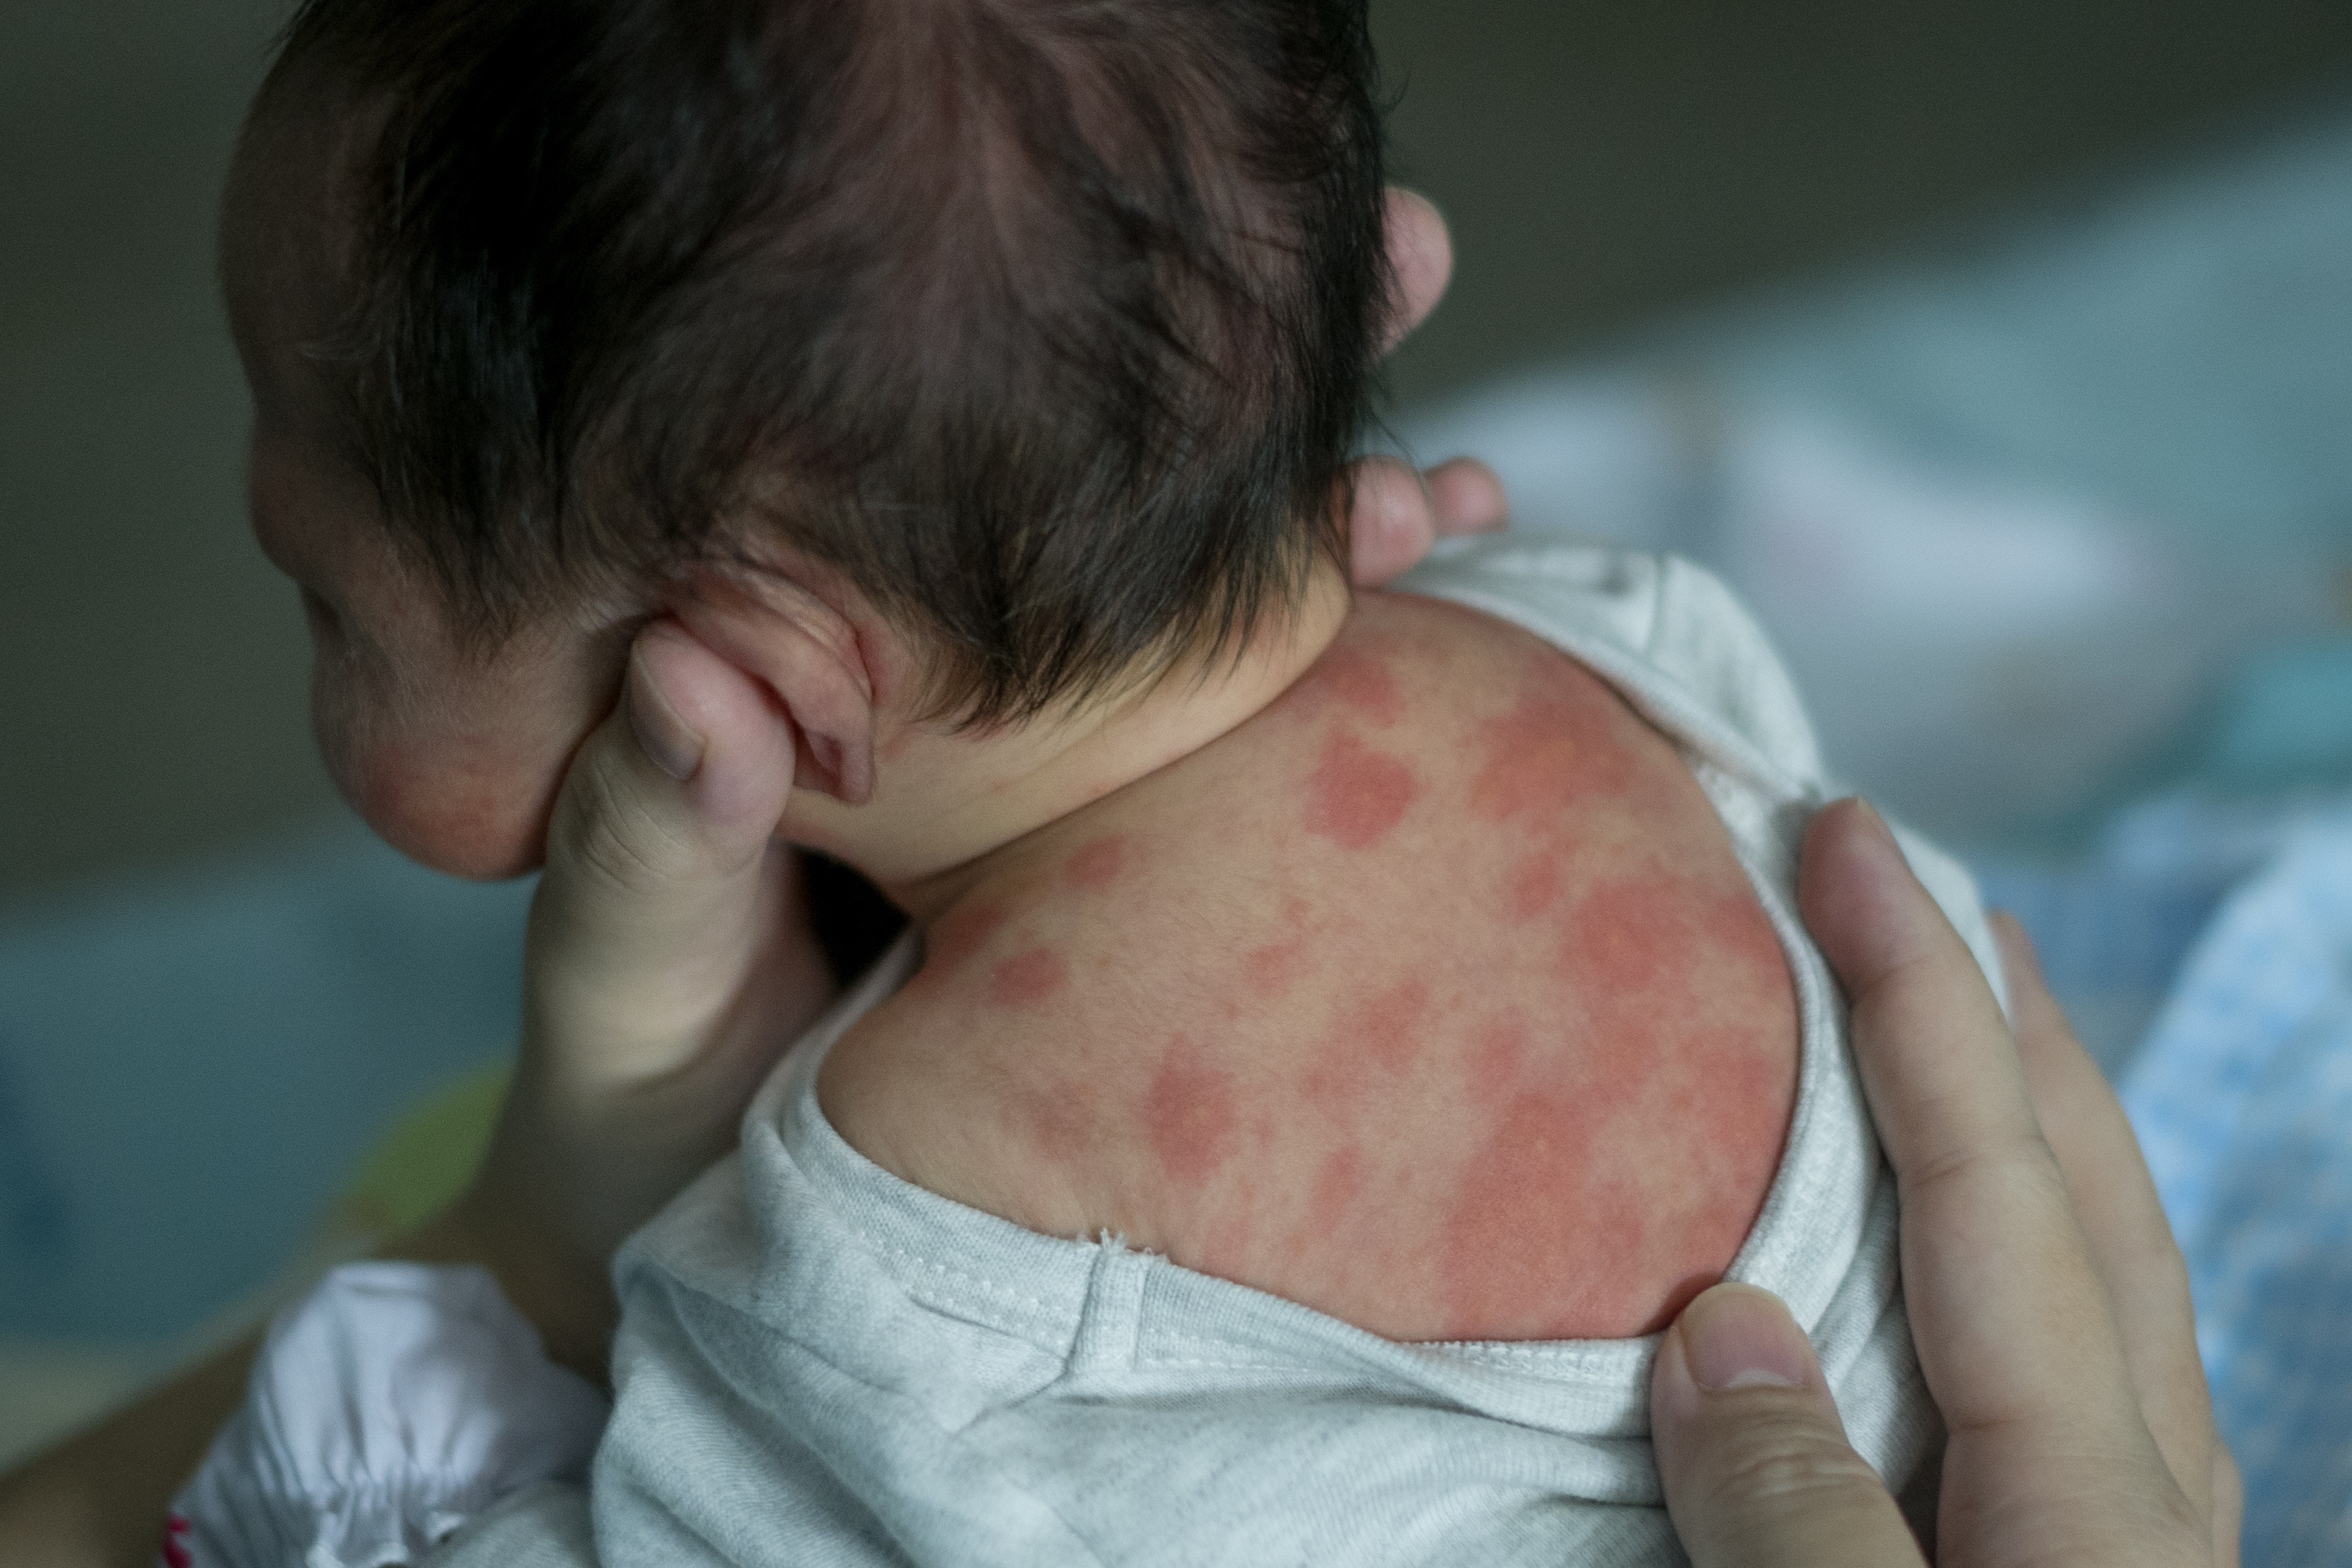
[2243,1098]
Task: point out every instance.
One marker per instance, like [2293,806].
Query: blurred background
[2000,353]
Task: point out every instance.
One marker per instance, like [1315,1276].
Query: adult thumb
[661,883]
[1756,1470]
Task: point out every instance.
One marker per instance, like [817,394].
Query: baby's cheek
[464,810]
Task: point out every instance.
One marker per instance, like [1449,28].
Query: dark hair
[1049,323]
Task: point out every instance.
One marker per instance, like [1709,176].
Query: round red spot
[1358,794]
[1097,865]
[1191,1110]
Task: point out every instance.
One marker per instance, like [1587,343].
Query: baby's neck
[1433,997]
[1077,769]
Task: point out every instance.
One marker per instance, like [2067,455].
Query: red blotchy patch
[958,934]
[1498,1061]
[1190,1110]
[1549,752]
[1536,880]
[1624,938]
[1544,1244]
[1370,1041]
[1737,931]
[1271,970]
[1097,865]
[1027,978]
[1746,1091]
[1513,1251]
[1359,680]
[1358,794]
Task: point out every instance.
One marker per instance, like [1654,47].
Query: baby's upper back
[1433,997]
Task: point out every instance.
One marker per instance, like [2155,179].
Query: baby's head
[953,367]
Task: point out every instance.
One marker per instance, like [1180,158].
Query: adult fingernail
[668,739]
[1737,1336]
[1874,823]
[2017,947]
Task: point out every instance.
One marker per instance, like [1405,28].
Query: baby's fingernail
[1737,1336]
[672,744]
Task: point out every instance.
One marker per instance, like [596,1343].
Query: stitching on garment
[1224,1366]
[1508,1355]
[1036,1307]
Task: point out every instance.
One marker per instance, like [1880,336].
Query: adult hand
[2047,1298]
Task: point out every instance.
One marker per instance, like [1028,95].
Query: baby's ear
[804,654]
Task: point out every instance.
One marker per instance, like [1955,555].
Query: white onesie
[821,1364]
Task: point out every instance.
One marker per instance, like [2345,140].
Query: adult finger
[2229,1506]
[1395,513]
[2048,1458]
[1754,1460]
[2131,1243]
[668,954]
[658,864]
[1421,255]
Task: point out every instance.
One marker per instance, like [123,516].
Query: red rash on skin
[1508,1250]
[1530,1081]
[1381,1035]
[1270,970]
[1648,1057]
[1499,1059]
[960,933]
[1357,681]
[1190,1110]
[1625,936]
[1027,978]
[1357,794]
[1546,754]
[1536,883]
[1097,865]
[1738,929]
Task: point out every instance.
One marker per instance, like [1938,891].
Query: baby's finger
[2114,1199]
[1753,1458]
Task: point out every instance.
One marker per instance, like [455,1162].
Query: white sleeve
[543,1526]
[389,1406]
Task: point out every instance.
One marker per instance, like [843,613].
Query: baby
[1337,1030]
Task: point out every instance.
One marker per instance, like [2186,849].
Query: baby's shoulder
[1668,633]
[1439,1001]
